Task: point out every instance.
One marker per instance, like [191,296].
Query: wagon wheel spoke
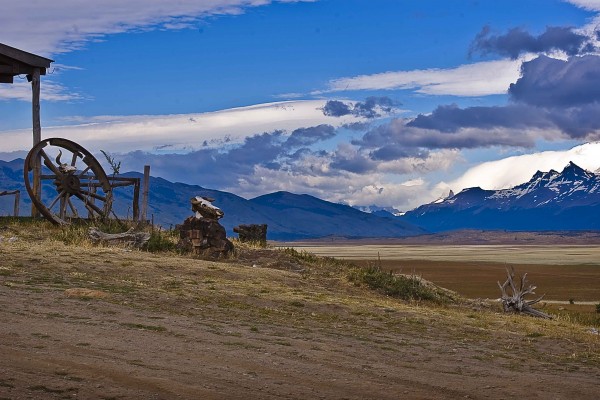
[73,209]
[89,205]
[63,207]
[55,200]
[84,171]
[48,163]
[93,194]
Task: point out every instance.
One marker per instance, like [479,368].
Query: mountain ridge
[549,200]
[288,216]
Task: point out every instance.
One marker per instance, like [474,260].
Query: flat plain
[561,272]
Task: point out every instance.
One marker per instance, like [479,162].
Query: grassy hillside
[110,322]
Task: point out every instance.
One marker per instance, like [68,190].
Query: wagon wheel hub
[68,183]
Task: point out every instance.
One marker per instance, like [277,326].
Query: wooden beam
[17,65]
[136,200]
[35,104]
[17,200]
[145,192]
[6,79]
[25,57]
[37,137]
[17,69]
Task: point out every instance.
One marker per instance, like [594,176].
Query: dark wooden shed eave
[18,62]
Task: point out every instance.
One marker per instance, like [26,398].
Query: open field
[94,322]
[562,272]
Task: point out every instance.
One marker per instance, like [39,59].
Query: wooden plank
[6,79]
[17,200]
[25,57]
[136,200]
[145,192]
[16,69]
[16,65]
[37,137]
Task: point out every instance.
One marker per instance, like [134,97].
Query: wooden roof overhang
[15,62]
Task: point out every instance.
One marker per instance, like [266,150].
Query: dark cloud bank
[372,107]
[222,167]
[517,41]
[552,95]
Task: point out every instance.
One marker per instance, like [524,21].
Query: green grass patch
[406,287]
[162,241]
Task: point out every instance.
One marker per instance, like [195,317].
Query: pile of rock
[202,233]
[252,233]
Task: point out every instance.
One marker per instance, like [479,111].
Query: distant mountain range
[288,216]
[567,200]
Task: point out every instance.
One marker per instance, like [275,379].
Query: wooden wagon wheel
[80,182]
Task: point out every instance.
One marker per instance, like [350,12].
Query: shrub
[406,287]
[598,308]
[162,241]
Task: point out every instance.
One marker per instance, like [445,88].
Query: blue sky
[386,102]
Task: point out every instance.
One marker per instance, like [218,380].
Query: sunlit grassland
[562,273]
[548,255]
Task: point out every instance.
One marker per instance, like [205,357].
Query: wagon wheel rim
[80,184]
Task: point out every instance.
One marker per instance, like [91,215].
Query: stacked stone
[203,234]
[252,233]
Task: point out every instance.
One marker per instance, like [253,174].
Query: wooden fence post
[145,192]
[17,199]
[37,137]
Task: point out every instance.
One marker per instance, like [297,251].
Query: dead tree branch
[515,300]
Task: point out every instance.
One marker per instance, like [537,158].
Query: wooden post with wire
[37,136]
[145,193]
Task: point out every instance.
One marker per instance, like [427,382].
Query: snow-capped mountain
[549,200]
[386,212]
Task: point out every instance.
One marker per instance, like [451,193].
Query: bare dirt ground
[107,323]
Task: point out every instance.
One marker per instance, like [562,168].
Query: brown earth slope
[108,323]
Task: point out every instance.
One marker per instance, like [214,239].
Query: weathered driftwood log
[515,301]
[252,233]
[130,238]
[204,236]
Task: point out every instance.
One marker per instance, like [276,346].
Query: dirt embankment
[105,323]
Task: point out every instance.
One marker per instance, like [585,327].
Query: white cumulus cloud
[48,28]
[182,132]
[512,171]
[592,5]
[478,79]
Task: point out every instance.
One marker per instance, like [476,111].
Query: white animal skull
[204,209]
